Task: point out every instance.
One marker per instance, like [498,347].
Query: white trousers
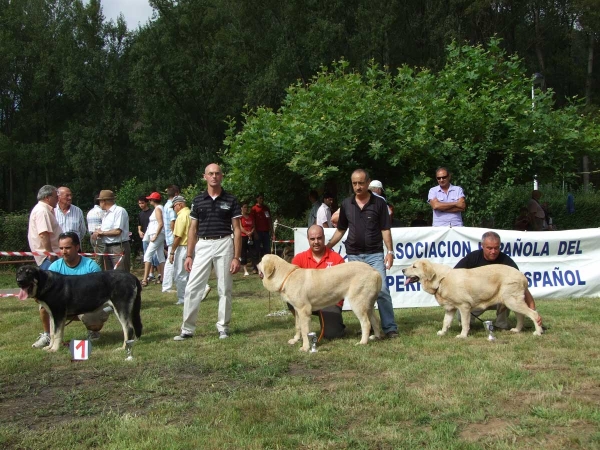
[180,275]
[168,273]
[156,248]
[209,254]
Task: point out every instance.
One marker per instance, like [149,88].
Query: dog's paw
[537,333]
[461,336]
[303,349]
[374,338]
[293,341]
[441,333]
[515,330]
[50,349]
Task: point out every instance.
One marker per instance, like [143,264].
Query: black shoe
[391,334]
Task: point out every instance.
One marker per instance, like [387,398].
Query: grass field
[254,391]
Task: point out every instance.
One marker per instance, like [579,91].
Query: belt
[116,243]
[213,238]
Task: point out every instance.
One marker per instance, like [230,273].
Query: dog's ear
[268,266]
[427,269]
[431,275]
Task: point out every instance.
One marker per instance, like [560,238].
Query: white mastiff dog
[309,290]
[469,289]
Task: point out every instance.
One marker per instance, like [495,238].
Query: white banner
[557,264]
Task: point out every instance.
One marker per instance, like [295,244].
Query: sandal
[144,282]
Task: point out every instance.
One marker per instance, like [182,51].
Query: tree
[475,116]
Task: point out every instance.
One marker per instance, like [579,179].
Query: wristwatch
[391,252]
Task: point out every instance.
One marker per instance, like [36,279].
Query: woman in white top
[155,236]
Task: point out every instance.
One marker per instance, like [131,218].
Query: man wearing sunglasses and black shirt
[446,200]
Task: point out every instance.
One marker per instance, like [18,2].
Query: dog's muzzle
[410,279]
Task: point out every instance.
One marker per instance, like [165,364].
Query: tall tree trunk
[588,80]
[586,173]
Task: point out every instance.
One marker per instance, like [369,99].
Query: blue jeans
[384,299]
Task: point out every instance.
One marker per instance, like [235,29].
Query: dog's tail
[137,306]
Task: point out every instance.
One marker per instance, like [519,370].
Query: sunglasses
[442,178]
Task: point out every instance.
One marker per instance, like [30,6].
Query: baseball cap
[154,196]
[375,184]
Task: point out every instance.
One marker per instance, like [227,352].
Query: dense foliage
[89,103]
[474,116]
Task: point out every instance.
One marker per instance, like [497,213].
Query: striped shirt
[214,216]
[72,220]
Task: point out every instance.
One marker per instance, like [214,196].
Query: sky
[135,11]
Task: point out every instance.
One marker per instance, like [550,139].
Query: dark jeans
[262,244]
[248,251]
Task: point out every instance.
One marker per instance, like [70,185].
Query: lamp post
[537,80]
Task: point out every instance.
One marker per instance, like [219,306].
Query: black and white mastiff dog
[63,296]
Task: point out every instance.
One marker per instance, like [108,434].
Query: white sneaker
[207,289]
[183,336]
[43,341]
[223,335]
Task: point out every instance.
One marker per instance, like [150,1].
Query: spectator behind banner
[523,221]
[537,215]
[446,200]
[324,212]
[318,256]
[376,187]
[313,198]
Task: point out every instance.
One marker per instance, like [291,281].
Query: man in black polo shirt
[490,254]
[215,216]
[367,220]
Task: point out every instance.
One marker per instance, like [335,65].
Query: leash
[544,328]
[286,278]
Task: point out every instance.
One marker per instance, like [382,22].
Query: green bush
[13,232]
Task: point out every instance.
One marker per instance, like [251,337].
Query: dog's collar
[286,277]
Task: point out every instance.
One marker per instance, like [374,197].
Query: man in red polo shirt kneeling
[318,256]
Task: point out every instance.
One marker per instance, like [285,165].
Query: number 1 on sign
[80,350]
[81,346]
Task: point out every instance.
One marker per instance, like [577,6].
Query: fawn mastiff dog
[309,290]
[64,296]
[469,289]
